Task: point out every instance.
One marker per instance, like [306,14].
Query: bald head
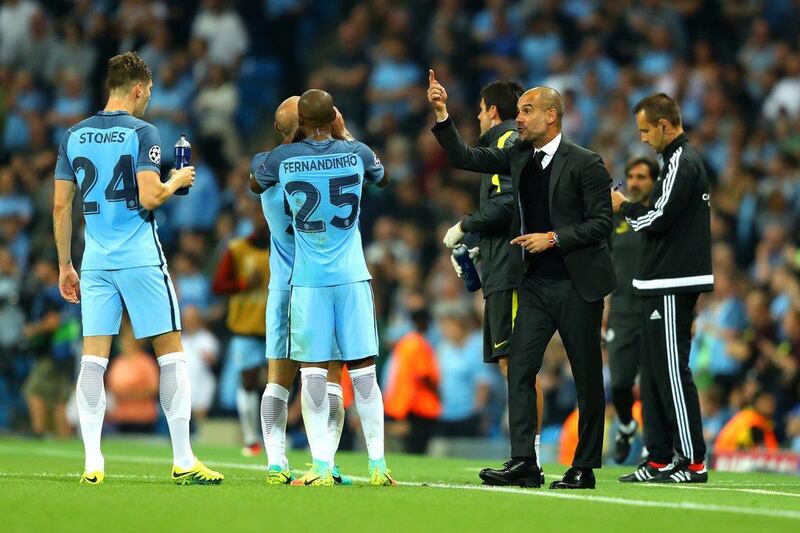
[541,110]
[286,116]
[545,98]
[315,109]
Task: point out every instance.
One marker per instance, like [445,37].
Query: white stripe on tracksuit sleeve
[668,194]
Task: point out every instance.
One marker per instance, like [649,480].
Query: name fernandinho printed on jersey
[320,163]
[100,138]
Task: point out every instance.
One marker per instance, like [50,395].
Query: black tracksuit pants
[670,403]
[547,305]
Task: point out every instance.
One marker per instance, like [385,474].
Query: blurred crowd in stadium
[220,69]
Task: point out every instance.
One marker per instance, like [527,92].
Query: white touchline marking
[686,506]
[727,489]
[754,484]
[714,483]
[63,475]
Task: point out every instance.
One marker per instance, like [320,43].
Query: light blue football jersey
[322,182]
[102,155]
[279,220]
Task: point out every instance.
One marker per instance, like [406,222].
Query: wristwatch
[552,239]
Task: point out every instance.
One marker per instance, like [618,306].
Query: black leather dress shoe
[575,478]
[515,472]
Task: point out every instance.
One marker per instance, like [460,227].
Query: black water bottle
[472,281]
[183,157]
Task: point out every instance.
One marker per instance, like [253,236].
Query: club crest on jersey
[155,154]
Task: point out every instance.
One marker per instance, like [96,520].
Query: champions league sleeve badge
[155,154]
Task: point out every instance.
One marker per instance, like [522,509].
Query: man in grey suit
[562,219]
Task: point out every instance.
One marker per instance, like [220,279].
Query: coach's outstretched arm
[488,160]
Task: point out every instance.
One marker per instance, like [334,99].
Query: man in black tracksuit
[498,107]
[674,267]
[493,222]
[623,336]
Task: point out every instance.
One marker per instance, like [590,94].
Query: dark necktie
[537,160]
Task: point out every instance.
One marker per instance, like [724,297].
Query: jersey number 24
[122,175]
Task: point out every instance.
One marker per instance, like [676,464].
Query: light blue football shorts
[145,292]
[278,324]
[322,319]
[246,352]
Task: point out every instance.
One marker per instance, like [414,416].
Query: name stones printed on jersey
[102,156]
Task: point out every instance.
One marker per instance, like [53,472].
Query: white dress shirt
[549,150]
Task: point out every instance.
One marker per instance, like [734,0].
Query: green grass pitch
[39,491]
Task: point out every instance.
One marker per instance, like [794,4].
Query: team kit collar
[671,147]
[493,133]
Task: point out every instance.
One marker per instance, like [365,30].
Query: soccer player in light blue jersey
[322,179]
[113,160]
[281,369]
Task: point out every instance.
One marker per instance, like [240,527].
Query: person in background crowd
[202,352]
[51,338]
[751,428]
[411,396]
[243,275]
[132,384]
[464,380]
[623,330]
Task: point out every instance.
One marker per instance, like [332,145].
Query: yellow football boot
[95,477]
[199,474]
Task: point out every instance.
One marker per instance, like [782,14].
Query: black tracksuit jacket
[675,253]
[493,218]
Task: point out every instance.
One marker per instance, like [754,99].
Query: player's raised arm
[153,193]
[338,128]
[374,171]
[437,96]
[254,186]
[488,160]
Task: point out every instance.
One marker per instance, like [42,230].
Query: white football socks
[536,449]
[316,410]
[91,399]
[369,404]
[247,406]
[176,400]
[274,412]
[336,418]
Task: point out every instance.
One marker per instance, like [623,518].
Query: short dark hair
[658,106]
[503,95]
[652,166]
[125,70]
[421,318]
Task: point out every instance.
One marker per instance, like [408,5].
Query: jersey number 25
[312,200]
